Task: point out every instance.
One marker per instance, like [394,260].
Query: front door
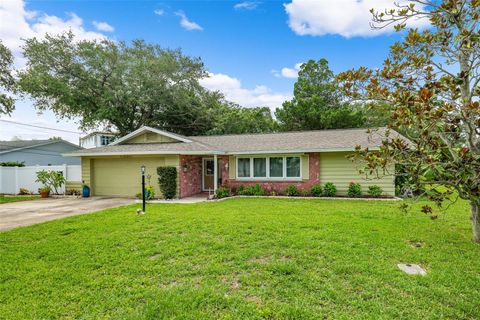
[208,174]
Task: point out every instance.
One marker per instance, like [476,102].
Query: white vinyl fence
[14,178]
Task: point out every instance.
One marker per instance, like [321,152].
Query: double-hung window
[269,168]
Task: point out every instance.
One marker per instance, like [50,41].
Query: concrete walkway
[26,213]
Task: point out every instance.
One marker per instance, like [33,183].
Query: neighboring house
[38,152]
[97,139]
[274,160]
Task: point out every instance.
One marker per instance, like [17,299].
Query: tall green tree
[7,80]
[118,85]
[318,102]
[233,119]
[431,82]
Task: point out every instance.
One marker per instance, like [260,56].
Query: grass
[8,199]
[243,259]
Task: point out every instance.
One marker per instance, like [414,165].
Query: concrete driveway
[26,213]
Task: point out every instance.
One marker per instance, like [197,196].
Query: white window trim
[268,178]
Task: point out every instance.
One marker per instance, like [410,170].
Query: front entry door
[208,174]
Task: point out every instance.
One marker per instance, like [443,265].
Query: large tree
[233,119]
[318,102]
[431,81]
[118,85]
[7,80]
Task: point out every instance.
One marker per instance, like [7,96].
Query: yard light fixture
[143,187]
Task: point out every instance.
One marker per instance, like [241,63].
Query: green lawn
[7,199]
[243,259]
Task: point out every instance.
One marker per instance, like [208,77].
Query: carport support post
[215,173]
[143,188]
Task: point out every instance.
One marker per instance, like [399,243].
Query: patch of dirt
[253,299]
[415,243]
[260,260]
[155,256]
[171,284]
[285,258]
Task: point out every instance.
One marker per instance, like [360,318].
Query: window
[209,167]
[244,167]
[260,167]
[269,168]
[293,167]
[105,140]
[276,167]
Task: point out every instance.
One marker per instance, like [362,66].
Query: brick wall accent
[277,186]
[190,181]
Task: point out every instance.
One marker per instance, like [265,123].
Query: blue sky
[244,44]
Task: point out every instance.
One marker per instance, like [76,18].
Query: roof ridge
[283,132]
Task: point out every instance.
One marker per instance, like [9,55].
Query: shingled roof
[283,142]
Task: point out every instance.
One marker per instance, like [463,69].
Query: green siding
[336,168]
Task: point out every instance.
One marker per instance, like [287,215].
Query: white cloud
[288,72]
[187,24]
[348,18]
[18,22]
[233,91]
[103,26]
[159,12]
[246,5]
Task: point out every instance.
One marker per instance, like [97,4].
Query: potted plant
[44,192]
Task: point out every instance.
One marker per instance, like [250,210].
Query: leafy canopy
[318,102]
[431,81]
[7,80]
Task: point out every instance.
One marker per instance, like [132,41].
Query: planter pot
[85,192]
[44,194]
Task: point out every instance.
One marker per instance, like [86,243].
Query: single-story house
[273,160]
[38,152]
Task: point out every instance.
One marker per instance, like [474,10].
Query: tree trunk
[475,220]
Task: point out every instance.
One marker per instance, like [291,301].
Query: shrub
[51,179]
[316,190]
[12,164]
[167,181]
[149,192]
[329,190]
[73,192]
[292,191]
[354,190]
[222,192]
[240,190]
[305,193]
[257,190]
[274,193]
[44,189]
[375,191]
[24,191]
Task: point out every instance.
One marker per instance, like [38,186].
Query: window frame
[267,177]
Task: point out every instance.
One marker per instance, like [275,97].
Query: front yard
[243,259]
[8,199]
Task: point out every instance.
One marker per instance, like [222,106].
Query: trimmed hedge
[167,180]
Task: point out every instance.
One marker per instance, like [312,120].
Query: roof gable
[150,135]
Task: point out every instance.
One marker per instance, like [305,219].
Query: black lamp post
[143,187]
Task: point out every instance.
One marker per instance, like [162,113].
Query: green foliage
[305,193]
[24,191]
[44,189]
[430,80]
[7,80]
[52,180]
[318,103]
[149,193]
[375,191]
[123,85]
[291,191]
[329,190]
[167,180]
[233,119]
[12,164]
[316,190]
[255,190]
[354,190]
[222,192]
